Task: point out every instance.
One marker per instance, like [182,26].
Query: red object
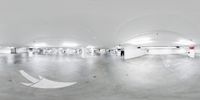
[191,47]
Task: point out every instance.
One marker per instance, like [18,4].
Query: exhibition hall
[99,50]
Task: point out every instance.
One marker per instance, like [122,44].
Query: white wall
[21,50]
[197,50]
[165,51]
[132,52]
[5,50]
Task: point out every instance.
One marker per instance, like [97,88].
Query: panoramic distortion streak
[43,83]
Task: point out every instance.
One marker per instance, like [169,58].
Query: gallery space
[99,50]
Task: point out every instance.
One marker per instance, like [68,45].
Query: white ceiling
[95,22]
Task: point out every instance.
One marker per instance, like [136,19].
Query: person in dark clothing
[122,52]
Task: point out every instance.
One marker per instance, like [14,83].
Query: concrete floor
[169,77]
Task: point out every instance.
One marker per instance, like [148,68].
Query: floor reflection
[102,77]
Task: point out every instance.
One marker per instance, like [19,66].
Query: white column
[83,54]
[191,53]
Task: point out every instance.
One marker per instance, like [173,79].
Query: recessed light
[69,44]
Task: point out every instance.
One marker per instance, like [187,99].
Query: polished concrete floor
[151,77]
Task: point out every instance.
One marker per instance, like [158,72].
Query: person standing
[122,53]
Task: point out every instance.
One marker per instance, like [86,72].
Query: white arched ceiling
[168,27]
[160,38]
[101,23]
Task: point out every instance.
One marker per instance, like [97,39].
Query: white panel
[5,50]
[197,49]
[132,52]
[21,50]
[167,51]
[43,83]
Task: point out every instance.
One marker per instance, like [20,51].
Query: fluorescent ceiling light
[11,47]
[40,45]
[118,47]
[185,42]
[69,44]
[138,41]
[90,46]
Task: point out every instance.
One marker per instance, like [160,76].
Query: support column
[13,50]
[83,52]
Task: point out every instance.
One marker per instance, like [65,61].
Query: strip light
[40,45]
[158,47]
[69,44]
[90,46]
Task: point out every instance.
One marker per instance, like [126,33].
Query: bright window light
[185,42]
[138,41]
[69,44]
[40,45]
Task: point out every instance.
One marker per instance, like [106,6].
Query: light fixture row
[64,44]
[136,41]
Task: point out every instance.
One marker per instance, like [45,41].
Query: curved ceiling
[101,23]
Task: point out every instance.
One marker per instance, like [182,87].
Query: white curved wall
[6,50]
[133,52]
[167,51]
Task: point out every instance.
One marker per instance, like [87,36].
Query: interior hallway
[152,77]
